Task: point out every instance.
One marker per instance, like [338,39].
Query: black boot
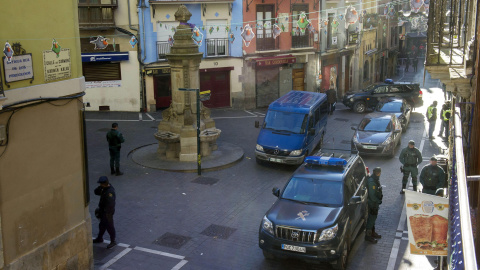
[414,187]
[404,186]
[112,170]
[375,235]
[118,172]
[369,237]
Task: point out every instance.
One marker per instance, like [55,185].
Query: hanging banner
[427,219]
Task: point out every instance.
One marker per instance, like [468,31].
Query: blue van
[294,126]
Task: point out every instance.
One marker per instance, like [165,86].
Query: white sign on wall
[56,67]
[334,40]
[20,68]
[101,84]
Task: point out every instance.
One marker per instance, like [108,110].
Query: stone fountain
[177,134]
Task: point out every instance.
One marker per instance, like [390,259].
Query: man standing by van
[375,196]
[332,99]
[410,157]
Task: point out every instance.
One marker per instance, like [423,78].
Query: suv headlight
[296,152]
[267,225]
[387,141]
[259,147]
[350,96]
[328,233]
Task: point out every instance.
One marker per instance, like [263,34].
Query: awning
[105,56]
[370,52]
[275,60]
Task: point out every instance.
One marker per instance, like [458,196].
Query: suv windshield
[286,121]
[315,191]
[375,124]
[390,107]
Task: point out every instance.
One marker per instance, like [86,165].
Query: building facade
[110,63]
[44,217]
[214,24]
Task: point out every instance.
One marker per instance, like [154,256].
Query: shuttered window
[101,71]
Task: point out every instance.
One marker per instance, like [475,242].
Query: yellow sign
[57,68]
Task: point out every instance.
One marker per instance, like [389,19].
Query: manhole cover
[345,142]
[172,240]
[205,180]
[341,119]
[218,231]
[104,129]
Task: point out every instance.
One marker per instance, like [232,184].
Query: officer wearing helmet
[432,177]
[410,157]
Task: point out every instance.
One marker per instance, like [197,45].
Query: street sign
[205,95]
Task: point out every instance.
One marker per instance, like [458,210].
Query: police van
[295,124]
[319,212]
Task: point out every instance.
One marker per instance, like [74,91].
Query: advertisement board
[427,219]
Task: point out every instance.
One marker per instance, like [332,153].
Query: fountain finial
[182,14]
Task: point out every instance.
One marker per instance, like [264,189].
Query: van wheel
[342,261]
[268,255]
[359,107]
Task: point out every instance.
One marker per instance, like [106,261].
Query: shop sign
[276,61]
[19,68]
[103,84]
[57,67]
[352,38]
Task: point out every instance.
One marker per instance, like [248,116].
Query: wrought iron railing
[163,48]
[216,47]
[461,253]
[95,16]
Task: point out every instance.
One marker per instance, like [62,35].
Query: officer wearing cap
[410,157]
[432,177]
[106,209]
[375,196]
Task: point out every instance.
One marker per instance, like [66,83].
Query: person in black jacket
[332,99]
[106,210]
[115,140]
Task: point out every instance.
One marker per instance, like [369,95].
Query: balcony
[163,48]
[216,47]
[302,41]
[96,13]
[266,42]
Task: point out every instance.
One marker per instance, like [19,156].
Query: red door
[218,82]
[163,91]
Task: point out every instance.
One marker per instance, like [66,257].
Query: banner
[427,219]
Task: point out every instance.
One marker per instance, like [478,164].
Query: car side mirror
[355,200]
[276,192]
[353,128]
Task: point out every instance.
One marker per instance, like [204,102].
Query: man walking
[410,157]
[407,64]
[332,99]
[106,210]
[375,197]
[415,64]
[115,140]
[432,119]
[432,177]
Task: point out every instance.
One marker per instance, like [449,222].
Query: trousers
[372,217]
[114,157]
[106,224]
[431,127]
[407,171]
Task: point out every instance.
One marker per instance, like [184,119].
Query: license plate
[370,147]
[276,160]
[294,248]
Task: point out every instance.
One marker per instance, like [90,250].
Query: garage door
[218,82]
[266,85]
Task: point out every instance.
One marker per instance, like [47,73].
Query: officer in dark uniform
[106,209]
[432,177]
[115,140]
[410,157]
[332,99]
[375,197]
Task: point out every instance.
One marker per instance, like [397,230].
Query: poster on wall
[427,219]
[19,68]
[334,40]
[329,77]
[56,66]
[102,84]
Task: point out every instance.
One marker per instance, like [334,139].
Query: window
[380,90]
[395,89]
[266,18]
[217,41]
[300,40]
[92,13]
[366,70]
[164,32]
[101,71]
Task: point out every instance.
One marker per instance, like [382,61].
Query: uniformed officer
[432,177]
[447,113]
[410,157]
[432,118]
[115,140]
[106,208]
[375,197]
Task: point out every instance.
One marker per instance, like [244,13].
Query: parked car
[398,106]
[294,126]
[369,97]
[377,134]
[319,212]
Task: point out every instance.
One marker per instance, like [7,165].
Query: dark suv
[319,212]
[369,97]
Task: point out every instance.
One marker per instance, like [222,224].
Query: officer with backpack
[432,177]
[410,157]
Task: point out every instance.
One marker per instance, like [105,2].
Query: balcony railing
[302,41]
[265,41]
[162,49]
[216,47]
[95,16]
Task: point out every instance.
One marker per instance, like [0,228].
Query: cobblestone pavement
[168,220]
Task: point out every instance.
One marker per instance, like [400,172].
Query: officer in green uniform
[410,157]
[432,177]
[375,197]
[115,140]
